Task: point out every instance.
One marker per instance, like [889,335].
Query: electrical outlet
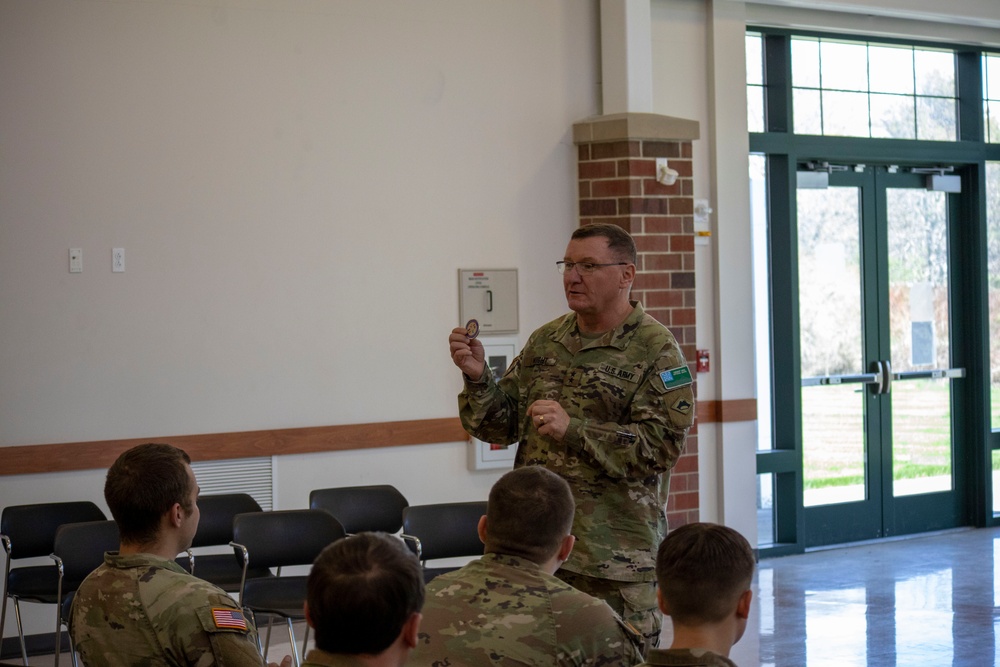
[118,260]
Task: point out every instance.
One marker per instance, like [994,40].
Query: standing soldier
[601,396]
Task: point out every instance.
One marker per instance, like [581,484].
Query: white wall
[296,184]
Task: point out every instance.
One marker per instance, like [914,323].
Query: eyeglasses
[584,268]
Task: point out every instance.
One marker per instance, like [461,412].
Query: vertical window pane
[893,117]
[992,83]
[890,69]
[761,297]
[830,343]
[805,63]
[936,119]
[755,59]
[993,289]
[935,72]
[755,108]
[917,236]
[996,484]
[991,103]
[808,116]
[845,114]
[991,122]
[844,66]
[765,510]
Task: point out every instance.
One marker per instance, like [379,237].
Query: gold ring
[541,420]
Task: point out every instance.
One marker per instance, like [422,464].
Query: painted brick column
[617,181]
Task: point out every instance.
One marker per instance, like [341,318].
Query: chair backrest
[285,537]
[376,508]
[81,547]
[445,530]
[32,528]
[217,513]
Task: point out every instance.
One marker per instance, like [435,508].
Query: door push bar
[882,377]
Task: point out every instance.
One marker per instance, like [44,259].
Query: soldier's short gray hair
[620,242]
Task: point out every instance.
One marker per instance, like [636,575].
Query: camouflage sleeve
[230,636]
[597,632]
[659,417]
[488,409]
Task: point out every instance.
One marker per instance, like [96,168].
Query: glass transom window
[991,97]
[865,89]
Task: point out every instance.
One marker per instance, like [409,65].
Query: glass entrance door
[878,442]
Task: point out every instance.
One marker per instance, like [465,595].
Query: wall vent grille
[253,476]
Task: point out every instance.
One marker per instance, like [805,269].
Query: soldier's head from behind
[365,593]
[703,574]
[529,514]
[151,488]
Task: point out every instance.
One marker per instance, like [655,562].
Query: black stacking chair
[215,528]
[377,508]
[77,551]
[444,530]
[28,531]
[276,540]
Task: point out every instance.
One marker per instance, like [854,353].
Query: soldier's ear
[662,603]
[482,529]
[411,628]
[566,548]
[176,515]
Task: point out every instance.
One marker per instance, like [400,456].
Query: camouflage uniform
[629,398]
[145,610]
[686,657]
[504,610]
[319,658]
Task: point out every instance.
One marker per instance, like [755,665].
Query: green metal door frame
[784,151]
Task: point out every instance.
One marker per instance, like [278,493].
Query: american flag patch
[229,618]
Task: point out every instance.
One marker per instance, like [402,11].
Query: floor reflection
[924,601]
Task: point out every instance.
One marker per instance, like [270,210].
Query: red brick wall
[618,185]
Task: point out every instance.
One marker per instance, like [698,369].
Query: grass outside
[834,439]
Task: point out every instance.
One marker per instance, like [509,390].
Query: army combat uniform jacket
[319,658]
[143,610]
[504,610]
[629,398]
[686,657]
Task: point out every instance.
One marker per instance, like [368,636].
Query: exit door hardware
[881,378]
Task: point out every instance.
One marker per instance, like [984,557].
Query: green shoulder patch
[676,378]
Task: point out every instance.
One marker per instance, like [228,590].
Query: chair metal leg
[3,611]
[20,632]
[267,640]
[256,630]
[55,660]
[291,643]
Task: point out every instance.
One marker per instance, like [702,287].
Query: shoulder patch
[676,378]
[229,619]
[682,405]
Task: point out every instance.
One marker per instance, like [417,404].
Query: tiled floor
[929,601]
[923,601]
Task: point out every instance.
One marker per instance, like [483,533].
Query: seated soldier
[507,608]
[140,607]
[703,571]
[364,598]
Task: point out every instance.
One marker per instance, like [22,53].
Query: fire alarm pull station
[702,365]
[488,296]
